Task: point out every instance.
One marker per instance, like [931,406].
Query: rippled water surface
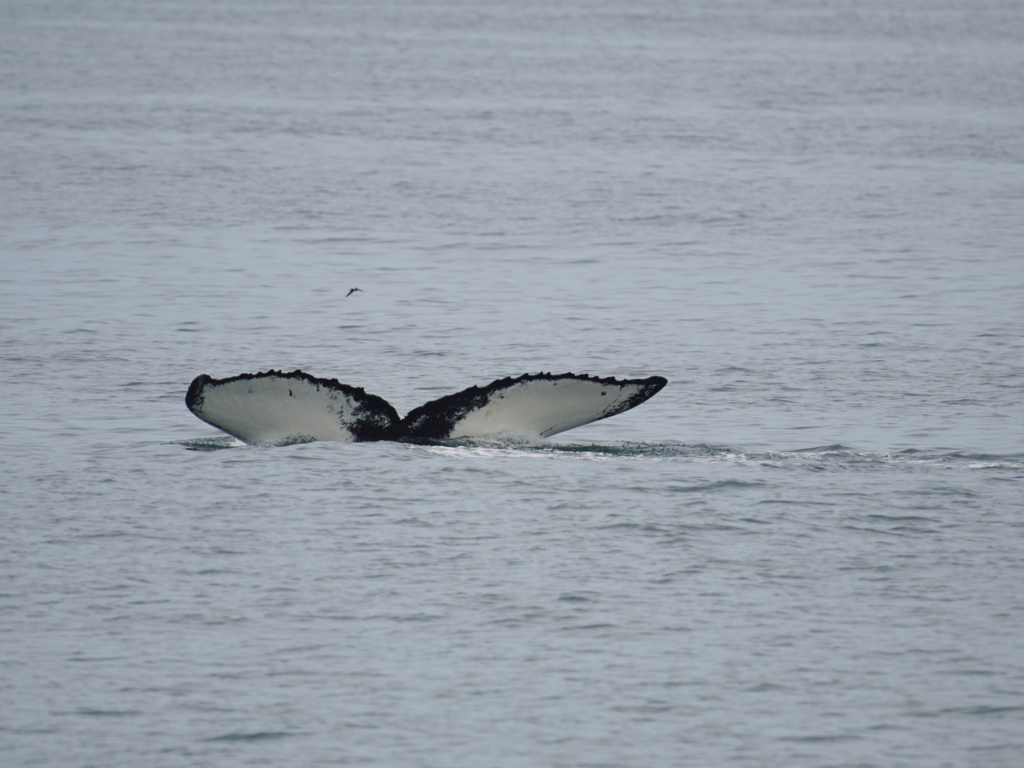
[807,550]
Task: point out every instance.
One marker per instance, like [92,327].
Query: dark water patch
[679,532]
[643,709]
[256,736]
[108,712]
[824,738]
[900,518]
[28,731]
[941,491]
[765,688]
[415,522]
[719,485]
[913,529]
[982,710]
[795,503]
[868,529]
[643,527]
[1012,747]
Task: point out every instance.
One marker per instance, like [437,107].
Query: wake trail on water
[819,458]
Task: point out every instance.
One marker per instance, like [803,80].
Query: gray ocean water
[808,550]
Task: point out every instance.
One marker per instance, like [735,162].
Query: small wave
[92,712]
[257,736]
[210,443]
[837,448]
[290,440]
[226,441]
[500,440]
[716,486]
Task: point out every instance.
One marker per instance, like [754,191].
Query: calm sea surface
[808,550]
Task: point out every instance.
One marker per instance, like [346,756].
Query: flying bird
[353,291]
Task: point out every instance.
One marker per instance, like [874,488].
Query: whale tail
[276,407]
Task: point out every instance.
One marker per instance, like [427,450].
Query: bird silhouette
[353,291]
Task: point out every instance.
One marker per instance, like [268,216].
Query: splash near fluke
[276,407]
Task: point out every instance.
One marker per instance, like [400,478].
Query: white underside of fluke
[276,410]
[544,407]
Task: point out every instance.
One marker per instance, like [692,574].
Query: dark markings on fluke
[276,407]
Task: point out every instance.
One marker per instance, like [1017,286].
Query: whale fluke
[276,407]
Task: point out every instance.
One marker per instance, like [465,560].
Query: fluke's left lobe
[276,407]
